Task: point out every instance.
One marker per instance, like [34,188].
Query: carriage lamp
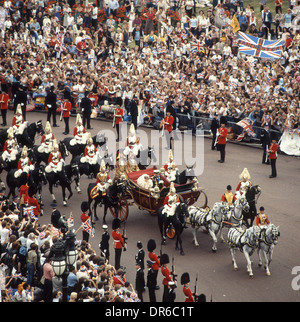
[71,250]
[59,258]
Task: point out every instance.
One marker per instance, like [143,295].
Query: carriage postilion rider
[103,179]
[47,140]
[244,183]
[133,142]
[262,219]
[228,196]
[80,134]
[24,164]
[18,121]
[171,169]
[10,149]
[55,160]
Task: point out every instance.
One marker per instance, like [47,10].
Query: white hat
[172,187]
[132,129]
[10,132]
[103,166]
[55,145]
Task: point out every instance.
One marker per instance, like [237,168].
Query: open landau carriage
[152,200]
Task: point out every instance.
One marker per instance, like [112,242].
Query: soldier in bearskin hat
[164,261]
[185,280]
[84,217]
[151,246]
[222,138]
[119,242]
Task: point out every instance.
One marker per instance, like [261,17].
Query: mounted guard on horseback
[18,123]
[80,134]
[102,183]
[24,164]
[11,148]
[47,140]
[170,167]
[132,143]
[244,183]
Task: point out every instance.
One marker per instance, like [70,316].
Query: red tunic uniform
[4,101]
[273,148]
[169,120]
[155,261]
[35,204]
[222,135]
[118,239]
[66,106]
[167,275]
[188,294]
[119,119]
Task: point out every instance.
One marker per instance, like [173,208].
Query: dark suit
[86,109]
[139,257]
[50,103]
[104,244]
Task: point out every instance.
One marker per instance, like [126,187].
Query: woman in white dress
[290,142]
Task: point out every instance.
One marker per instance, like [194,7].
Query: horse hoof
[251,276]
[268,273]
[259,265]
[214,250]
[235,268]
[65,203]
[176,248]
[182,253]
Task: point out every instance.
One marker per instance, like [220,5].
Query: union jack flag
[70,221]
[259,47]
[197,47]
[247,129]
[88,227]
[29,211]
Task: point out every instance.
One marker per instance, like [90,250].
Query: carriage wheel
[122,210]
[170,232]
[202,199]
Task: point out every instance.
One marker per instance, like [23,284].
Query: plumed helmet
[151,245]
[78,118]
[171,157]
[132,129]
[172,187]
[164,259]
[19,109]
[55,145]
[10,133]
[103,166]
[48,127]
[84,206]
[245,174]
[24,151]
[116,223]
[185,278]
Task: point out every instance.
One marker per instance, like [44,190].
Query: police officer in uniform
[140,280]
[171,296]
[140,256]
[214,128]
[86,109]
[104,243]
[21,98]
[151,281]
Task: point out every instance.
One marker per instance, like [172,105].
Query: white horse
[210,219]
[267,240]
[244,240]
[234,217]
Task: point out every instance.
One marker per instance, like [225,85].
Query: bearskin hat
[164,259]
[116,223]
[223,120]
[185,278]
[151,245]
[32,191]
[84,206]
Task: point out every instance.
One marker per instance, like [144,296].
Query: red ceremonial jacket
[223,135]
[155,261]
[118,239]
[66,105]
[167,275]
[35,204]
[4,101]
[188,294]
[119,119]
[169,120]
[273,154]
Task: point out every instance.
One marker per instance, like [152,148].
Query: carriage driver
[171,201]
[244,184]
[103,179]
[47,140]
[132,142]
[262,219]
[18,121]
[55,160]
[10,149]
[170,167]
[24,164]
[228,196]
